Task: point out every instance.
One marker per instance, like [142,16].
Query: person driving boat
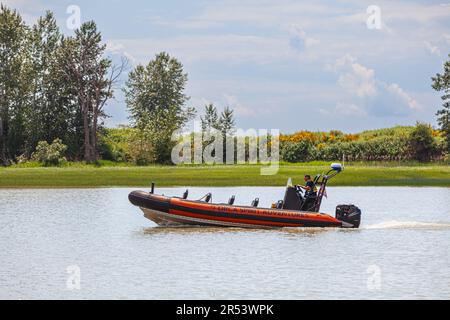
[310,187]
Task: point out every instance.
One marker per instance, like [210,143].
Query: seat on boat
[309,203]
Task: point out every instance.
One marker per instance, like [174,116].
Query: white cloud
[375,95]
[239,109]
[447,38]
[114,47]
[118,48]
[345,110]
[186,23]
[403,96]
[355,78]
[407,10]
[432,49]
[349,109]
[299,40]
[262,12]
[227,48]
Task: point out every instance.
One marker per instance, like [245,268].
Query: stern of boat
[349,215]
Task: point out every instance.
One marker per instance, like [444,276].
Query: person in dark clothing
[310,187]
[310,193]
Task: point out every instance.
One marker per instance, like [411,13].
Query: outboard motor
[349,214]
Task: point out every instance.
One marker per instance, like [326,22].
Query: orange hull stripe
[244,221]
[262,212]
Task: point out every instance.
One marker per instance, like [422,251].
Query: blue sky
[282,64]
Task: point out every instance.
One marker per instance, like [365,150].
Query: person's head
[307,177]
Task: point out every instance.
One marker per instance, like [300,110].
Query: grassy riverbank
[238,175]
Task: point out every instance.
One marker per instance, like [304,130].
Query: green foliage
[441,82]
[296,151]
[391,144]
[91,77]
[114,144]
[51,86]
[397,131]
[13,83]
[422,143]
[226,123]
[377,149]
[47,112]
[155,98]
[50,154]
[213,124]
[210,120]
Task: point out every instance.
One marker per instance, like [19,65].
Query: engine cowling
[349,214]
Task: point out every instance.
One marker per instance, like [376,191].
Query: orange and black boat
[295,210]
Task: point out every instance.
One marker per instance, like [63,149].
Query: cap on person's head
[307,176]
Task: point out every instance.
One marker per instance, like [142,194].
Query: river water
[93,244]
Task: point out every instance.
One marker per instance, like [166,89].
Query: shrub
[141,149]
[114,144]
[50,154]
[422,143]
[296,151]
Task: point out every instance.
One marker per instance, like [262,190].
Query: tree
[211,119]
[422,142]
[210,125]
[441,82]
[155,98]
[86,68]
[226,122]
[13,37]
[48,109]
[227,128]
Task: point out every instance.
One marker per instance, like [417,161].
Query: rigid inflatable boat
[295,210]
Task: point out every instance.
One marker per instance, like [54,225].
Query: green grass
[82,175]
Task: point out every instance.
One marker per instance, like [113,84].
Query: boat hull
[173,211]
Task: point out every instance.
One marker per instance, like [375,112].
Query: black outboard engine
[349,214]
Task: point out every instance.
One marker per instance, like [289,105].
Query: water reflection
[190,230]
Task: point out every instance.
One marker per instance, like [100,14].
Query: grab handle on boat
[280,204]
[185,194]
[231,200]
[207,197]
[255,202]
[152,191]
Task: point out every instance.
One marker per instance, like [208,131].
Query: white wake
[408,225]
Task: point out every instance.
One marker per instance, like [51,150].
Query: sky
[281,64]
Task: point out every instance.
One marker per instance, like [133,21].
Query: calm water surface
[401,251]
